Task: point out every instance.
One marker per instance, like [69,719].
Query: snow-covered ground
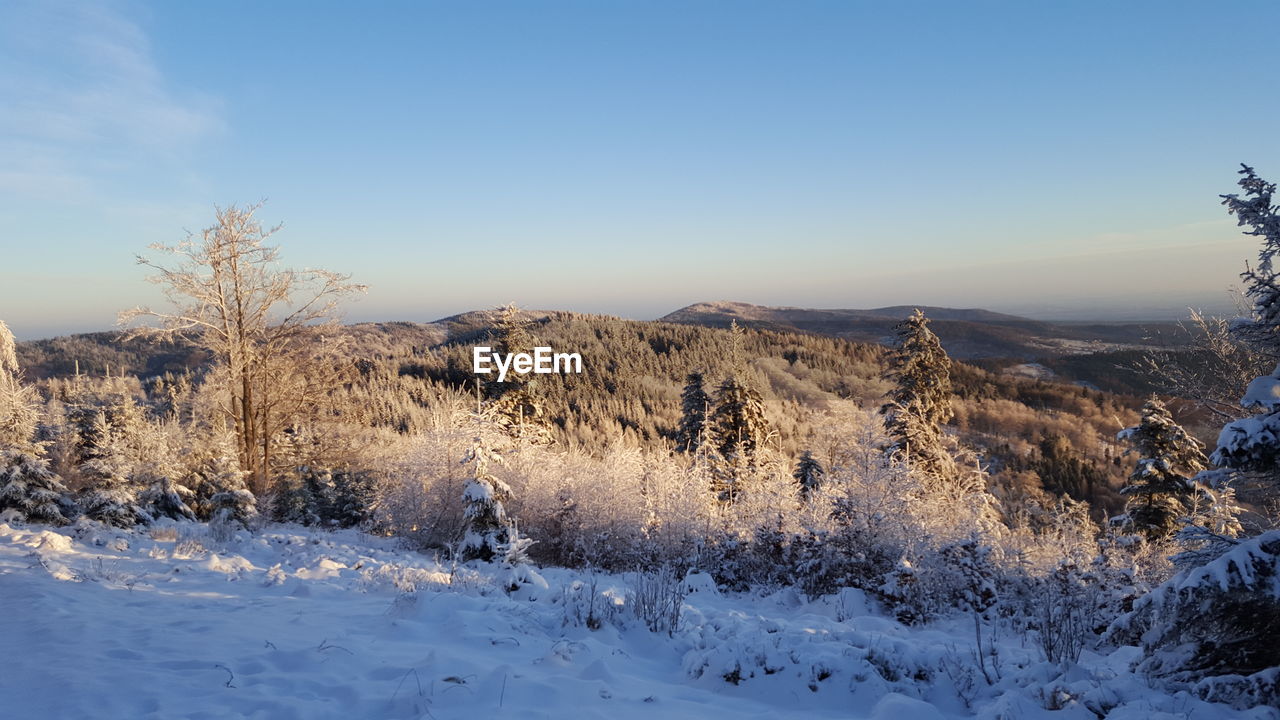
[295,623]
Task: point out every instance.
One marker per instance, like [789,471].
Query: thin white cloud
[82,99]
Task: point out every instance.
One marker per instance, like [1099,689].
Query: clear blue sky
[634,157]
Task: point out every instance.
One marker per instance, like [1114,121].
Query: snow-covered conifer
[165,498]
[215,473]
[738,421]
[1252,444]
[809,474]
[516,403]
[233,507]
[1256,211]
[920,402]
[111,496]
[17,408]
[488,531]
[305,496]
[30,487]
[353,498]
[694,406]
[1161,489]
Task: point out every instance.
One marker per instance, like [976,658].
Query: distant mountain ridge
[965,332]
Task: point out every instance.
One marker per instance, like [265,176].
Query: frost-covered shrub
[903,594]
[1062,613]
[656,598]
[584,604]
[1221,620]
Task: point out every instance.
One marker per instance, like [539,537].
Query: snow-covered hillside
[297,623]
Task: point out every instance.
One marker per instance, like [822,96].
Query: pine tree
[216,473]
[920,402]
[488,531]
[739,429]
[1262,282]
[306,496]
[694,404]
[1251,445]
[112,496]
[1161,488]
[28,486]
[353,498]
[809,475]
[17,409]
[165,498]
[516,402]
[232,506]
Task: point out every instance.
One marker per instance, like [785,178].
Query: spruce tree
[28,486]
[165,498]
[920,401]
[738,423]
[1251,445]
[488,531]
[234,506]
[17,409]
[216,472]
[694,404]
[809,475]
[353,498]
[111,496]
[306,496]
[739,430]
[516,402]
[1161,488]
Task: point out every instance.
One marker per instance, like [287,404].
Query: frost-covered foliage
[28,486]
[1161,489]
[1215,628]
[1213,522]
[1252,444]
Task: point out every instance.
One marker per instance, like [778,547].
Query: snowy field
[296,623]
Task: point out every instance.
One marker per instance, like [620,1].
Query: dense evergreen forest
[1034,435]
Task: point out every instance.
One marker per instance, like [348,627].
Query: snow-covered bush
[488,532]
[656,598]
[29,487]
[166,499]
[1215,627]
[584,604]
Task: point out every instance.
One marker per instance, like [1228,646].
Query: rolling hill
[965,333]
